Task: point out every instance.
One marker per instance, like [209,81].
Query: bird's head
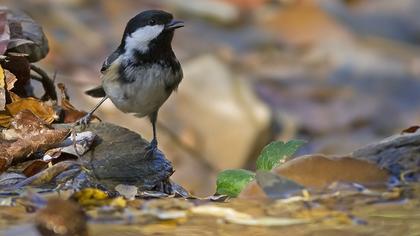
[153,25]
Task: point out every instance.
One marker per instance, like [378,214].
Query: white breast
[144,95]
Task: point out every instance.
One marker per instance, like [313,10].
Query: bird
[143,71]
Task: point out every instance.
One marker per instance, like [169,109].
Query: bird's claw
[84,121]
[151,149]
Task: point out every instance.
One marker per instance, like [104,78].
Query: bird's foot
[84,121]
[151,149]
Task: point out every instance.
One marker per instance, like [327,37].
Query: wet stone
[118,157]
[398,153]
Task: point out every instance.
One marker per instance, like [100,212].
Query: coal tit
[143,71]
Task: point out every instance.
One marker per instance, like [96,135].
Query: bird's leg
[151,149]
[84,121]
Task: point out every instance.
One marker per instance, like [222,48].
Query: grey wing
[99,91]
[109,60]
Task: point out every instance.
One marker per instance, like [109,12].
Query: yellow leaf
[118,202]
[5,119]
[37,107]
[2,90]
[1,77]
[14,97]
[91,197]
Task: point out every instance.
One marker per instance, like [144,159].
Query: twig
[46,81]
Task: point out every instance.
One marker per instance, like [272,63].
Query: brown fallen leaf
[14,97]
[48,175]
[5,119]
[12,150]
[253,191]
[27,123]
[37,107]
[411,129]
[319,171]
[10,80]
[41,109]
[61,217]
[35,167]
[71,114]
[31,135]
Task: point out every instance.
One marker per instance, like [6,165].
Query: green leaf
[274,152]
[232,182]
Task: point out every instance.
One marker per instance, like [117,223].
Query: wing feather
[110,59]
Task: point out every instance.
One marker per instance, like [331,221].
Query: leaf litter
[30,145]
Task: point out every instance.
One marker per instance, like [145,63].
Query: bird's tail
[97,92]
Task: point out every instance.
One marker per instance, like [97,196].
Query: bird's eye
[152,22]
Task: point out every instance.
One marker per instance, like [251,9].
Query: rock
[26,36]
[217,115]
[397,153]
[117,157]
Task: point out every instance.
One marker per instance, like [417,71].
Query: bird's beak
[174,24]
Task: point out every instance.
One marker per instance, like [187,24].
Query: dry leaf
[48,175]
[33,135]
[37,107]
[41,109]
[91,197]
[26,123]
[5,119]
[10,80]
[319,171]
[35,167]
[71,114]
[61,217]
[253,191]
[411,129]
[14,97]
[129,192]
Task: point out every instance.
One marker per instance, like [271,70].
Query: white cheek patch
[140,38]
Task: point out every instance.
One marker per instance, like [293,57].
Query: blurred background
[339,74]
